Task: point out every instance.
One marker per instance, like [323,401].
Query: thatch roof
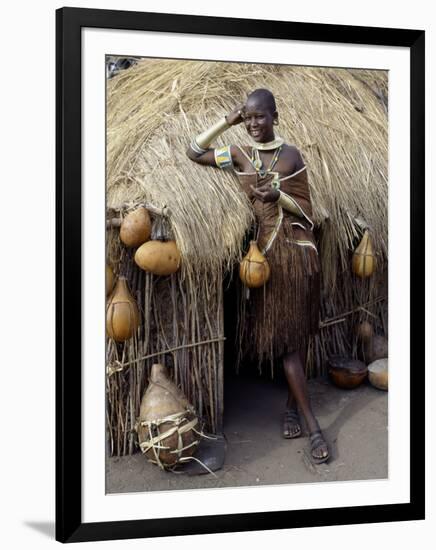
[336,117]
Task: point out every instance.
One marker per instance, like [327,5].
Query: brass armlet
[286,202]
[204,139]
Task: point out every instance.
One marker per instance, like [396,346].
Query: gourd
[378,374]
[136,227]
[254,269]
[365,331]
[363,263]
[158,257]
[167,426]
[122,314]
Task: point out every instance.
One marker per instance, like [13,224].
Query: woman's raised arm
[199,150]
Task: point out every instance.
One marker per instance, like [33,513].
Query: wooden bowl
[345,372]
[378,374]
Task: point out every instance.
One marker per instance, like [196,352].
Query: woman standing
[283,314]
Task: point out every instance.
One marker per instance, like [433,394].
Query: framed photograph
[240,252]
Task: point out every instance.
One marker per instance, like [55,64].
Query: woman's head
[260,114]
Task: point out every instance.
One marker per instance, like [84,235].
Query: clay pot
[346,373]
[165,410]
[254,270]
[122,315]
[378,374]
[363,258]
[109,279]
[136,227]
[158,257]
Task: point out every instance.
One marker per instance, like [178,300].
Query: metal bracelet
[206,138]
[196,148]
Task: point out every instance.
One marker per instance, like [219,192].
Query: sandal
[316,441]
[291,420]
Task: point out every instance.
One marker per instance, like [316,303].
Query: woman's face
[258,120]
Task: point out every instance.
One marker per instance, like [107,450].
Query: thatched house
[338,120]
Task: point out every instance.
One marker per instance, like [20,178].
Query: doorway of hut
[254,396]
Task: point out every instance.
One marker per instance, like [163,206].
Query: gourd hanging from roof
[160,255]
[363,262]
[136,227]
[122,314]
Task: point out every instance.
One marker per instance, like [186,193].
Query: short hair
[265,96]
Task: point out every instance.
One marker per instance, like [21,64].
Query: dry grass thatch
[338,120]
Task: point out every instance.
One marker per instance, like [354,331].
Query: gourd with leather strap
[122,314]
[363,263]
[254,269]
[168,430]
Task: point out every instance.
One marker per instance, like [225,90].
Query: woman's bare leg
[291,420]
[294,372]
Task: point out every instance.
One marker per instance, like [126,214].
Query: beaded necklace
[258,164]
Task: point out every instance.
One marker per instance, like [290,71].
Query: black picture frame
[69,525]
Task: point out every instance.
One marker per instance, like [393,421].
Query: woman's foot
[291,424]
[318,447]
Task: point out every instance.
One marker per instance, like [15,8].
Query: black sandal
[291,418]
[317,440]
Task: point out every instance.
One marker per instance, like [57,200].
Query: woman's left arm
[268,193]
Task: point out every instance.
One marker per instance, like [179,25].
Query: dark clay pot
[345,372]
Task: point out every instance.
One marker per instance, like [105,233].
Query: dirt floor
[355,423]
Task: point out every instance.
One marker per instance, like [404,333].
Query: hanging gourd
[109,279]
[167,428]
[160,255]
[122,315]
[363,258]
[254,269]
[364,331]
[136,227]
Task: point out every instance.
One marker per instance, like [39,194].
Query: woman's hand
[236,116]
[266,193]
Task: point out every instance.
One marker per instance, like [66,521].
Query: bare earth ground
[354,423]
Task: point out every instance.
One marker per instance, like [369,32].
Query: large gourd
[167,426]
[122,315]
[136,227]
[254,270]
[363,258]
[158,257]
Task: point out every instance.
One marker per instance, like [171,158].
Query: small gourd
[363,258]
[254,269]
[136,227]
[158,257]
[122,314]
